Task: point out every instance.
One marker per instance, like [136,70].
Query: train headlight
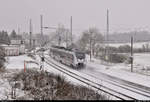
[80,60]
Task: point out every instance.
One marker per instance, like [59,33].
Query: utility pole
[59,36]
[59,40]
[42,42]
[30,33]
[34,45]
[90,47]
[71,30]
[18,31]
[66,39]
[41,24]
[131,54]
[107,36]
[107,25]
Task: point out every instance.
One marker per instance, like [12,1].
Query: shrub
[32,56]
[2,58]
[114,58]
[47,86]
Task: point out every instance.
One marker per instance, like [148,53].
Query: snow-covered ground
[96,67]
[121,71]
[17,62]
[142,59]
[6,86]
[135,45]
[13,65]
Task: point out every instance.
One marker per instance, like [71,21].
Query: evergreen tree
[13,34]
[4,38]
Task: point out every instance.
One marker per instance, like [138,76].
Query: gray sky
[124,15]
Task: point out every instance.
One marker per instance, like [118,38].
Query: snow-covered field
[4,88]
[17,62]
[135,45]
[123,70]
[13,65]
[6,85]
[142,59]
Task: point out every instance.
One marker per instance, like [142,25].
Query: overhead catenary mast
[42,36]
[107,36]
[131,54]
[66,40]
[18,31]
[41,24]
[30,31]
[107,28]
[42,42]
[71,30]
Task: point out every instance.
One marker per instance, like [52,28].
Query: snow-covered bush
[32,56]
[114,58]
[2,58]
[47,86]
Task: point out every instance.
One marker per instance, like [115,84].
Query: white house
[11,50]
[16,47]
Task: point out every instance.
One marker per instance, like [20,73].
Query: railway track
[123,84]
[93,84]
[114,80]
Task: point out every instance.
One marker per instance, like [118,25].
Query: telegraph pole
[59,40]
[90,47]
[42,42]
[18,31]
[107,34]
[42,58]
[41,24]
[131,54]
[71,29]
[30,33]
[66,40]
[107,25]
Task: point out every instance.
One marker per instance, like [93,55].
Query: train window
[72,57]
[62,56]
[80,55]
[69,56]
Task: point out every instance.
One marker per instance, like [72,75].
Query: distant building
[20,43]
[11,50]
[16,47]
[16,41]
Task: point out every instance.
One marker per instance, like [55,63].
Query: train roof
[61,47]
[66,49]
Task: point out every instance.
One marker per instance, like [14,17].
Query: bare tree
[90,38]
[62,35]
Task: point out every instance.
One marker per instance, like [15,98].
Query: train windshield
[80,55]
